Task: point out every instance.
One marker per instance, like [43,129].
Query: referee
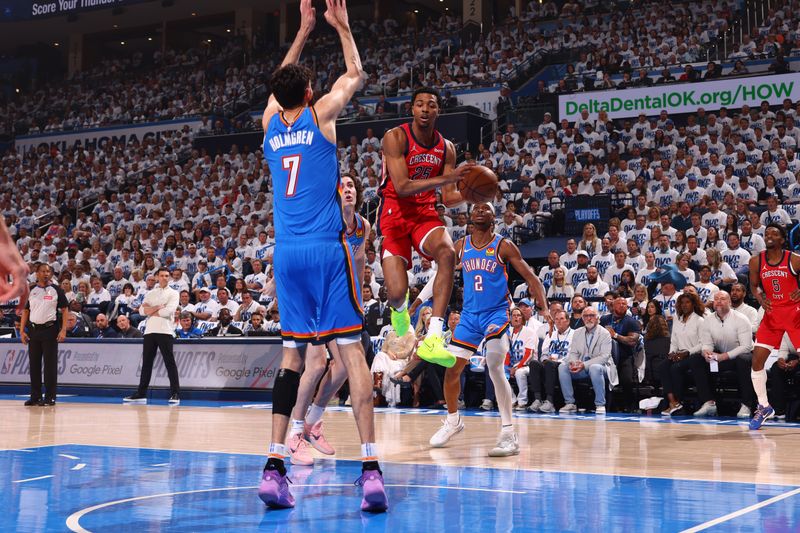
[40,319]
[159,306]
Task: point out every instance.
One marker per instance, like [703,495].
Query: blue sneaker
[763,413]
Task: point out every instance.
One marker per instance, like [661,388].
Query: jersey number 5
[292,164]
[776,286]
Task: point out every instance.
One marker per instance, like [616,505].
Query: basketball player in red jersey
[417,161]
[774,283]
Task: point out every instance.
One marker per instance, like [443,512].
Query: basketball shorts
[474,327]
[404,225]
[780,320]
[319,295]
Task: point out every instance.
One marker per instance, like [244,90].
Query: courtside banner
[94,138]
[202,364]
[682,98]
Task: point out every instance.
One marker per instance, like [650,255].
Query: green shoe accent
[401,320]
[433,350]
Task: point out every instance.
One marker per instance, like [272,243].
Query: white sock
[760,385]
[297,428]
[314,415]
[369,449]
[452,418]
[436,326]
[277,449]
[402,307]
[507,428]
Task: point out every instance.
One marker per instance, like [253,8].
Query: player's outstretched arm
[394,147]
[794,260]
[308,18]
[12,264]
[330,105]
[450,194]
[755,284]
[511,255]
[360,253]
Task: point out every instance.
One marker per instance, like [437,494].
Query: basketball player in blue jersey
[306,428]
[315,279]
[484,258]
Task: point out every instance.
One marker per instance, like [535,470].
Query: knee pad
[284,393]
[499,346]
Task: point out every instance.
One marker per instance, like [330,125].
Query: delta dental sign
[96,137]
[682,98]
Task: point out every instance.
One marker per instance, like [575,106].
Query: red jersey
[778,281]
[423,162]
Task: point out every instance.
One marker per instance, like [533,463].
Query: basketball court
[92,464]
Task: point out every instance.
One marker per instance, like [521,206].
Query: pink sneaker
[274,490]
[317,439]
[299,451]
[375,500]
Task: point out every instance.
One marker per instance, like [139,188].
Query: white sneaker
[707,409]
[569,408]
[600,410]
[547,407]
[744,412]
[535,406]
[487,405]
[507,445]
[520,406]
[446,432]
[461,405]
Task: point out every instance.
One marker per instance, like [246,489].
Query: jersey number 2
[479,283]
[292,164]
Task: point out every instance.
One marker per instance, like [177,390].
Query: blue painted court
[94,488]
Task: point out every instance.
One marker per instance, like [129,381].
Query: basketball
[479,185]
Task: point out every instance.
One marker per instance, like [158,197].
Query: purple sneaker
[375,500]
[274,490]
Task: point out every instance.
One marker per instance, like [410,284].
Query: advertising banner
[96,137]
[202,364]
[681,98]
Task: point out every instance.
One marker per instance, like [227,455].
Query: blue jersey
[357,238]
[305,177]
[485,276]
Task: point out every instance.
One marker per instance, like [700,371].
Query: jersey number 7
[292,164]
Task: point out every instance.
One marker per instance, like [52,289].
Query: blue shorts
[474,327]
[319,295]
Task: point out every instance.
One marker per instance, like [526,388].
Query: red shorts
[403,225]
[777,322]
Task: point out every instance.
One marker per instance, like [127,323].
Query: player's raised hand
[336,14]
[308,16]
[459,173]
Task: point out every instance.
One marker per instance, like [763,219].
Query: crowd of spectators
[654,37]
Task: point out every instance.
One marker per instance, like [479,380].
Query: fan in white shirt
[569,259]
[737,258]
[774,214]
[705,288]
[593,287]
[644,274]
[613,275]
[664,255]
